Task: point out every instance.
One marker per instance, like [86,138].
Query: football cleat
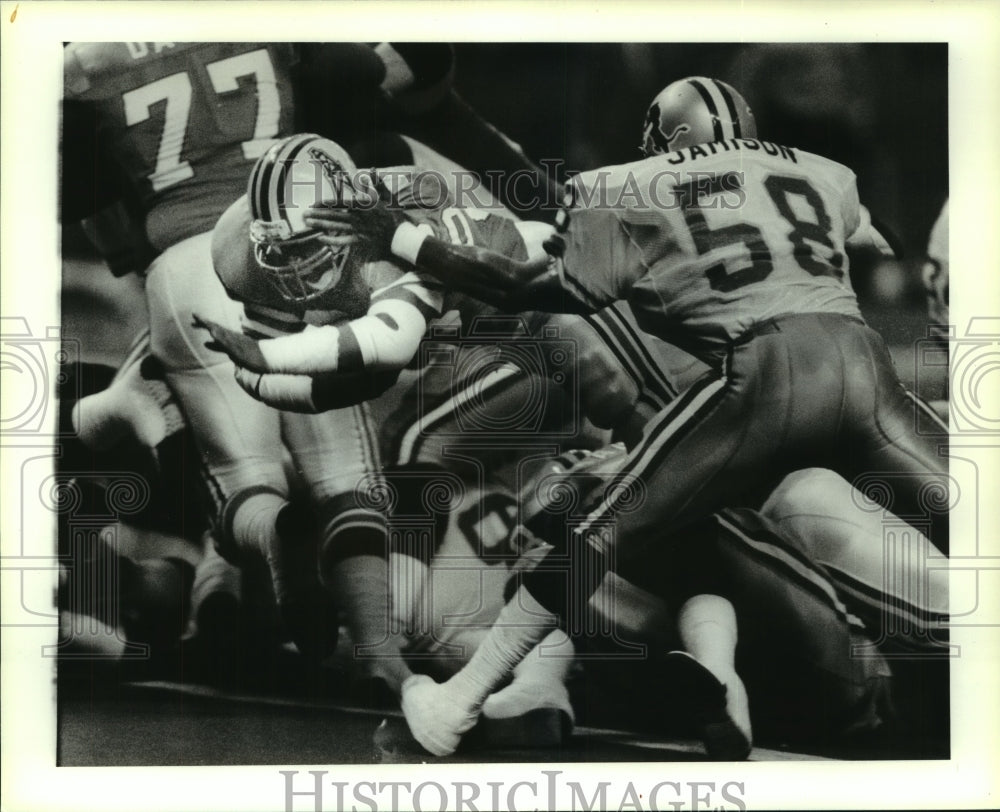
[527,713]
[695,110]
[436,720]
[704,698]
[294,175]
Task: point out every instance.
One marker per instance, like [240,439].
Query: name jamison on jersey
[732,145]
[740,232]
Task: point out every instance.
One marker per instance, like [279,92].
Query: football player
[735,249]
[325,329]
[173,128]
[935,275]
[897,583]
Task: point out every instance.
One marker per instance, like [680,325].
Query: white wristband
[407,239]
[315,349]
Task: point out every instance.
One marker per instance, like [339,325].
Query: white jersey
[708,241]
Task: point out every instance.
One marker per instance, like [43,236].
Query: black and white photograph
[451,410]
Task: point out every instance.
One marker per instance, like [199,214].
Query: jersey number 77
[177,94]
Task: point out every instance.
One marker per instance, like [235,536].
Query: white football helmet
[695,110]
[295,174]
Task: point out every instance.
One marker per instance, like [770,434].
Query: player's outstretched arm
[386,338]
[491,277]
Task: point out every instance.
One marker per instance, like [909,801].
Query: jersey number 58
[779,188]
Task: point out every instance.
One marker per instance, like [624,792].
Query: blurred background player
[935,272]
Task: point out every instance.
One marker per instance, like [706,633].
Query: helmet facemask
[301,268]
[295,174]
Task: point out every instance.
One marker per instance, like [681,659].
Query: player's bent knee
[810,490]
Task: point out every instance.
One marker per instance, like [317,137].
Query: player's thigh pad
[238,437]
[180,283]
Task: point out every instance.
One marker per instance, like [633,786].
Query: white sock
[707,626]
[549,661]
[521,625]
[254,531]
[539,681]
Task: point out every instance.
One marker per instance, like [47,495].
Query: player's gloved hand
[241,349]
[434,715]
[365,220]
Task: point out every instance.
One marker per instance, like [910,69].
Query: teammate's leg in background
[238,438]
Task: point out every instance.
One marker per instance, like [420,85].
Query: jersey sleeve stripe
[255,319]
[429,310]
[497,381]
[350,358]
[409,278]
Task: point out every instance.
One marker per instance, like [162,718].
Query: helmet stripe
[713,110]
[262,185]
[261,169]
[730,105]
[277,185]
